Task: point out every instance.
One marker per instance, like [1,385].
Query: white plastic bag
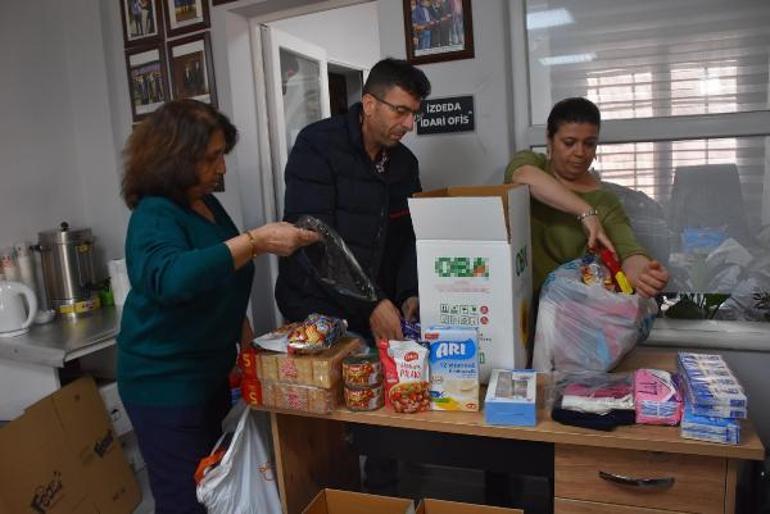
[244,480]
[586,327]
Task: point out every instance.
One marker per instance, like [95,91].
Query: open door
[297,95]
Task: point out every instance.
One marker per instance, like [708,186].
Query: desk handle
[643,483]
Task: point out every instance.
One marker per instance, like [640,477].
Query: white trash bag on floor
[239,478]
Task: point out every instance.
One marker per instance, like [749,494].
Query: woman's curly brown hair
[162,154]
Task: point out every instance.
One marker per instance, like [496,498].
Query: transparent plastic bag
[334,264]
[592,392]
[586,327]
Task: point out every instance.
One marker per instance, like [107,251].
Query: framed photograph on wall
[183,16]
[142,22]
[192,68]
[438,30]
[147,80]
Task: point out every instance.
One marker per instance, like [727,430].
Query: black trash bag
[332,262]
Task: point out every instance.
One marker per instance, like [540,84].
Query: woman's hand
[648,277]
[282,238]
[595,232]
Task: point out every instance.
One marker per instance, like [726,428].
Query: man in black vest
[352,172]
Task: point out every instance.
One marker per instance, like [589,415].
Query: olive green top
[558,237]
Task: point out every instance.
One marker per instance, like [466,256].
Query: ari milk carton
[454,368]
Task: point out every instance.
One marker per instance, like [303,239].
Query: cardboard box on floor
[333,501]
[62,457]
[428,506]
[474,267]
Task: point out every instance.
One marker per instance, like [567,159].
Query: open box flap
[459,218]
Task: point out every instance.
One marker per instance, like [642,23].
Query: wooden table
[312,453]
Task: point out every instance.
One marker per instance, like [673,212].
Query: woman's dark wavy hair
[573,110]
[162,154]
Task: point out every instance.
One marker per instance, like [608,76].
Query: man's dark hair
[395,72]
[573,110]
[163,152]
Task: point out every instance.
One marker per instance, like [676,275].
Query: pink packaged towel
[656,397]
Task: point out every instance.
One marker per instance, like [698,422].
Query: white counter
[30,363]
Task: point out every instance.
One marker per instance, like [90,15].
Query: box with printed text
[474,267]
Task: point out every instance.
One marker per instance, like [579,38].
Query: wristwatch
[589,212]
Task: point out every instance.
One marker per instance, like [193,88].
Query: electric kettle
[13,320]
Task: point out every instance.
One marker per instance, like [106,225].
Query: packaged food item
[315,334]
[248,362]
[316,400]
[657,398]
[454,368]
[618,277]
[251,391]
[410,330]
[278,339]
[362,370]
[406,375]
[364,398]
[319,370]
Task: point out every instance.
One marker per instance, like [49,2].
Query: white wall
[477,157]
[39,166]
[349,35]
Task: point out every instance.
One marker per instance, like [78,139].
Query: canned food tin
[362,370]
[364,398]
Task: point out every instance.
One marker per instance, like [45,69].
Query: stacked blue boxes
[714,399]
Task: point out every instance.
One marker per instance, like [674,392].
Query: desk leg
[310,454]
[731,484]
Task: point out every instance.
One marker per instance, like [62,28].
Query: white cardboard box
[474,267]
[115,409]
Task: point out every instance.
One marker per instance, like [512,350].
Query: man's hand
[385,322]
[410,308]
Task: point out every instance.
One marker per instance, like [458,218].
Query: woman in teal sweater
[190,271]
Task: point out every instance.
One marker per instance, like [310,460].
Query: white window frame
[751,336]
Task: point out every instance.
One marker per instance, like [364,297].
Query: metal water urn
[68,269]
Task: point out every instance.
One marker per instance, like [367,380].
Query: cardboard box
[474,267]
[428,506]
[333,501]
[62,457]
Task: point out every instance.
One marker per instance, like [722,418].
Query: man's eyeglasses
[400,110]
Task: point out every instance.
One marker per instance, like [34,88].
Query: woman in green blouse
[570,211]
[191,272]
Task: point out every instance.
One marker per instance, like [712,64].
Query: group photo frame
[147,79]
[183,16]
[438,30]
[192,69]
[142,22]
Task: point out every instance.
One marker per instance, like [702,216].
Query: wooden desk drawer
[563,506]
[698,482]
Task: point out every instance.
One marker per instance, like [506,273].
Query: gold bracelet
[254,249]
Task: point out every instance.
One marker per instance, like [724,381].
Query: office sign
[442,115]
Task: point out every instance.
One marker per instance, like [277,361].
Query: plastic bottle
[25,264]
[8,263]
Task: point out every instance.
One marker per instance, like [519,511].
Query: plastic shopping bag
[587,327]
[334,264]
[239,479]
